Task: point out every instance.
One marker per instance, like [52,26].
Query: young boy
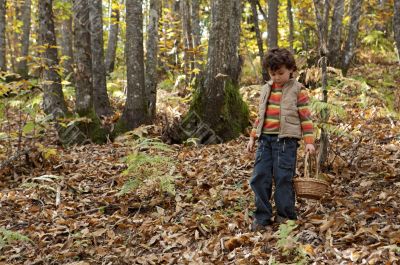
[283,118]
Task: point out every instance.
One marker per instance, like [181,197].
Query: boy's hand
[310,148]
[250,145]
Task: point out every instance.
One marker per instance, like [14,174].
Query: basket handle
[306,166]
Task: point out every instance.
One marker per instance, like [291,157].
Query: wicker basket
[310,188]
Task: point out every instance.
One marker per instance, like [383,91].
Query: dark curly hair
[278,57]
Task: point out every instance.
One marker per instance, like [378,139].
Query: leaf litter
[72,211]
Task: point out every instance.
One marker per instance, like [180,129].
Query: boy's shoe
[280,219]
[255,226]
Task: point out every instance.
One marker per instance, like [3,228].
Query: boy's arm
[307,126]
[253,132]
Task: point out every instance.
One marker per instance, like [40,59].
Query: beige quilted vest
[289,115]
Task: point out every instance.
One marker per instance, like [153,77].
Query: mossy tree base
[82,132]
[212,123]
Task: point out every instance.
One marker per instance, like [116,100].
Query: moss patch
[234,113]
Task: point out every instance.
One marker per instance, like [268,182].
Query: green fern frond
[8,236]
[167,184]
[319,106]
[129,186]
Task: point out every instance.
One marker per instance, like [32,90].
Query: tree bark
[273,7]
[101,102]
[196,33]
[291,24]
[135,111]
[396,29]
[336,34]
[195,20]
[53,97]
[83,76]
[217,112]
[3,64]
[22,66]
[259,38]
[67,44]
[351,43]
[396,26]
[322,14]
[83,58]
[187,40]
[113,37]
[151,58]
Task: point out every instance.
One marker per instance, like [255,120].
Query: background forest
[124,123]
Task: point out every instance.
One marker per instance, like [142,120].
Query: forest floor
[70,207]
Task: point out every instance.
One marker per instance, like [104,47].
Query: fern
[167,184]
[148,169]
[333,129]
[129,186]
[319,106]
[8,236]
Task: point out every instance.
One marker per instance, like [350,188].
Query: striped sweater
[271,121]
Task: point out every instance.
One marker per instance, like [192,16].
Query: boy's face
[280,76]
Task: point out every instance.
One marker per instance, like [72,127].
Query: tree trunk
[53,98]
[195,20]
[3,65]
[322,14]
[273,7]
[151,58]
[291,24]
[83,58]
[396,29]
[396,26]
[22,67]
[196,33]
[351,43]
[187,40]
[113,37]
[336,34]
[259,38]
[135,111]
[101,102]
[83,75]
[217,112]
[67,44]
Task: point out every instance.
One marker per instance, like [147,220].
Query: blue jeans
[275,159]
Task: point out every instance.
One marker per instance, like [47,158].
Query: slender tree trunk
[322,14]
[291,24]
[187,40]
[196,33]
[259,38]
[151,58]
[113,37]
[135,111]
[83,58]
[3,64]
[195,20]
[53,98]
[396,26]
[100,96]
[234,42]
[351,43]
[273,8]
[336,33]
[67,44]
[22,67]
[396,29]
[217,112]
